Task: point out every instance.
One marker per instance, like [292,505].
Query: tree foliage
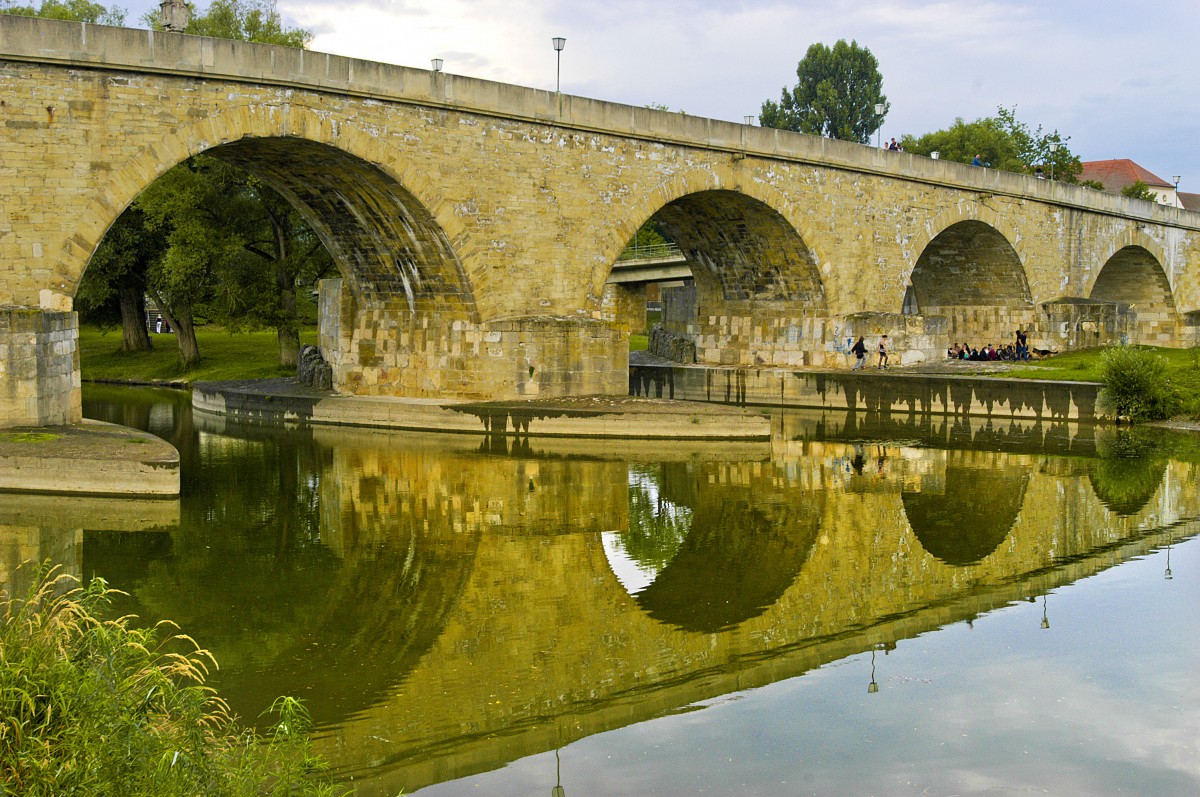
[1003,142]
[1136,384]
[835,95]
[70,10]
[1139,190]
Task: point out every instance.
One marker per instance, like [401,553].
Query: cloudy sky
[1117,77]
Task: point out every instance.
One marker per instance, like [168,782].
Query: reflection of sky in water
[1000,706]
[635,576]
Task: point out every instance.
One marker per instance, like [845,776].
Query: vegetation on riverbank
[1173,388]
[225,355]
[90,705]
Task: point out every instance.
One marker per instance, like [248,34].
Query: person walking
[859,350]
[883,352]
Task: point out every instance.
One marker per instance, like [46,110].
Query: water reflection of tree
[1130,468]
[657,525]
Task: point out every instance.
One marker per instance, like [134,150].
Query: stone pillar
[39,367]
[625,305]
[378,347]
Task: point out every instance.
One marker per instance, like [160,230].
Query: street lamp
[437,64]
[1053,146]
[750,121]
[879,130]
[559,43]
[1178,204]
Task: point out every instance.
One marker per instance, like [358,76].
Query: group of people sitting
[1011,352]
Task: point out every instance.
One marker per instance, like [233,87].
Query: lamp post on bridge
[559,43]
[1178,204]
[1053,149]
[879,130]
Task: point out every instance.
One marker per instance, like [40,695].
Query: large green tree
[835,96]
[1003,142]
[70,10]
[113,290]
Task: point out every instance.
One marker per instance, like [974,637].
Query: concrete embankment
[286,401]
[89,458]
[880,392]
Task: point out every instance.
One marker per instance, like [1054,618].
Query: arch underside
[387,245]
[1134,281]
[971,275]
[759,294]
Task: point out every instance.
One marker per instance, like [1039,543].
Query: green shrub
[1136,384]
[91,706]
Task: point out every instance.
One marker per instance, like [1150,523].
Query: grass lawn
[1183,369]
[245,355]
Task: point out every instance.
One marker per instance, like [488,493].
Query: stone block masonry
[475,224]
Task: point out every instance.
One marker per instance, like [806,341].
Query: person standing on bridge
[883,352]
[859,350]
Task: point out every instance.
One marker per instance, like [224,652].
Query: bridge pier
[39,367]
[379,347]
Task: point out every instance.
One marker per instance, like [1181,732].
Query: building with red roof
[1121,173]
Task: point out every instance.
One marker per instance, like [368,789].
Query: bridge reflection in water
[447,605]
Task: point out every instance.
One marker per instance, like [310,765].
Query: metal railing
[649,252]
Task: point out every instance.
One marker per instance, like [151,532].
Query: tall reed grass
[91,705]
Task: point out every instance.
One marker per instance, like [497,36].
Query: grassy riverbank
[223,355]
[1182,371]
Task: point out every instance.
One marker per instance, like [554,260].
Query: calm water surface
[862,606]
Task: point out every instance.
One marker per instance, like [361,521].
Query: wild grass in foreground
[223,355]
[90,706]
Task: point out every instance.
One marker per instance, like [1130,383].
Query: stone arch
[1134,284]
[732,196]
[386,225]
[758,296]
[970,273]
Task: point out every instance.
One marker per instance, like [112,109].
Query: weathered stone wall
[39,368]
[452,204]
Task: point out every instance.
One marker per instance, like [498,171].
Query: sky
[1116,77]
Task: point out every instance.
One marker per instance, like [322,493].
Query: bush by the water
[1136,384]
[92,706]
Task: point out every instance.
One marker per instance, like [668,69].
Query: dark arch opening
[385,242]
[747,265]
[970,517]
[1134,281]
[969,264]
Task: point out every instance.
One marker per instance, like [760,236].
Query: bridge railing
[649,252]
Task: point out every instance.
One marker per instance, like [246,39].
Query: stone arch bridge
[476,224]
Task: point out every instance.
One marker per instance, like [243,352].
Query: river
[934,607]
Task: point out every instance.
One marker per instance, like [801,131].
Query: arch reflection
[709,552]
[970,516]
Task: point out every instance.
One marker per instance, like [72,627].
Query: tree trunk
[134,335]
[180,321]
[185,336]
[287,331]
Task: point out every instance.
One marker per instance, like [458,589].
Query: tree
[113,288]
[1139,190]
[835,96]
[70,10]
[243,20]
[1002,142]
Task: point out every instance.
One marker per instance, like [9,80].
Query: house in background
[1189,201]
[1121,173]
